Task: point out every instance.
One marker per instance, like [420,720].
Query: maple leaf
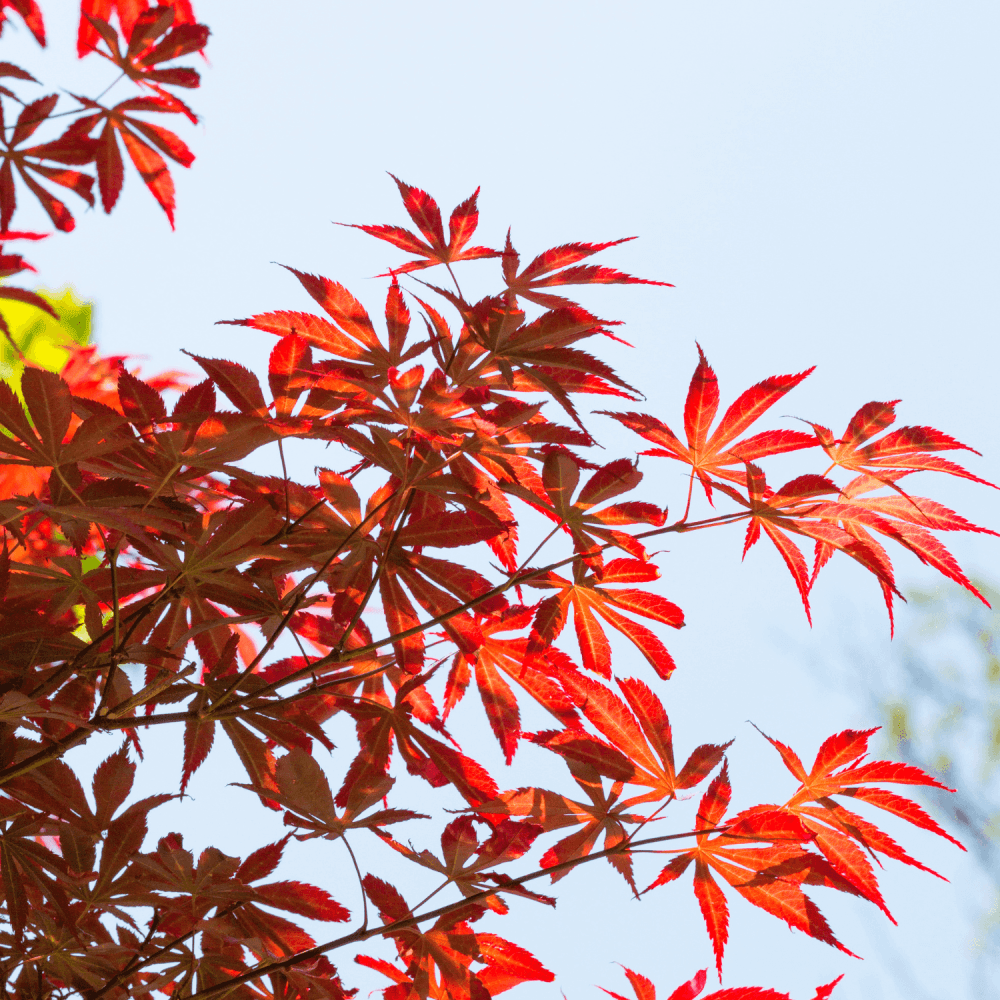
[906,519]
[348,333]
[788,511]
[712,455]
[897,453]
[505,965]
[588,759]
[42,436]
[843,836]
[380,724]
[438,586]
[590,529]
[588,596]
[499,350]
[32,160]
[304,791]
[493,658]
[643,737]
[218,881]
[768,877]
[136,537]
[464,859]
[552,268]
[55,790]
[426,215]
[32,867]
[140,137]
[845,525]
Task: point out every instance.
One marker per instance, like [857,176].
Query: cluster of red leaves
[147,38]
[645,990]
[191,590]
[89,375]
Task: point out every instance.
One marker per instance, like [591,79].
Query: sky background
[817,180]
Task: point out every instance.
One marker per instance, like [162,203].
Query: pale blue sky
[818,180]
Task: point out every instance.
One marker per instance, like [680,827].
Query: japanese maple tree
[152,575]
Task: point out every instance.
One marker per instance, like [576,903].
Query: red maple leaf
[590,598]
[143,140]
[713,455]
[38,160]
[552,268]
[898,453]
[426,215]
[768,877]
[846,839]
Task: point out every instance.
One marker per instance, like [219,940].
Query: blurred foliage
[42,340]
[940,699]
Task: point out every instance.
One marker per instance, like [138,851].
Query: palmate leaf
[53,789]
[217,881]
[906,519]
[348,333]
[898,452]
[43,434]
[440,956]
[768,877]
[381,726]
[712,455]
[553,267]
[589,760]
[464,859]
[144,141]
[139,61]
[303,790]
[505,965]
[155,35]
[590,529]
[497,662]
[589,596]
[846,525]
[499,350]
[193,549]
[48,161]
[641,731]
[438,586]
[426,215]
[128,13]
[848,840]
[788,512]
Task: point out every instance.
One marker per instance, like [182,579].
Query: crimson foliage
[150,577]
